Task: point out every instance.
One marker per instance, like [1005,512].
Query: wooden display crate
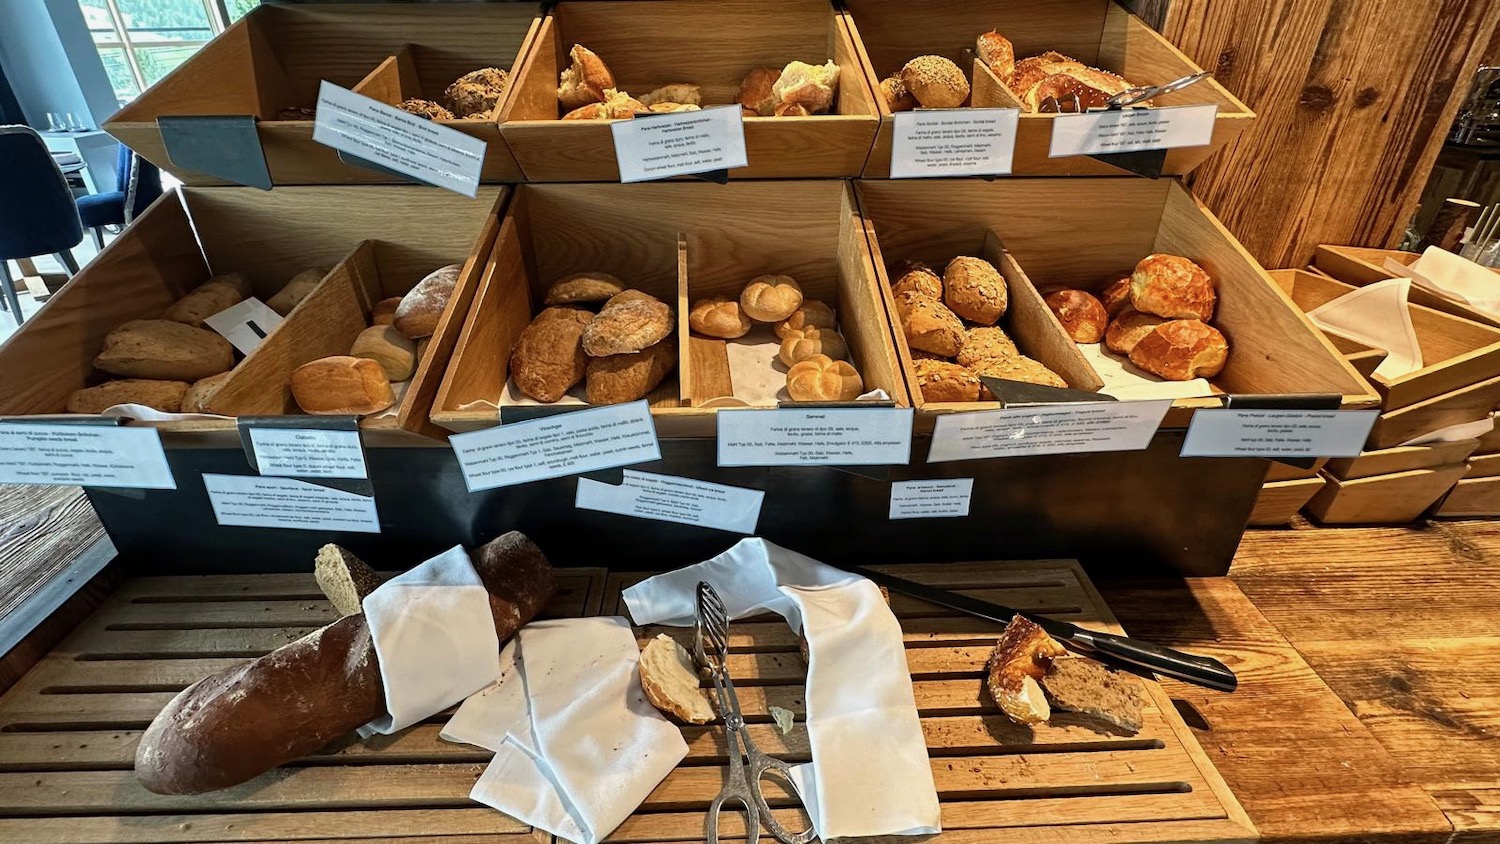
[378,240]
[679,242]
[1286,472]
[1471,498]
[1096,32]
[1383,499]
[1273,347]
[276,57]
[650,43]
[1459,382]
[1361,266]
[1389,461]
[1279,501]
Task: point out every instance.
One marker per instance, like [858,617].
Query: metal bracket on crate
[244,424]
[1286,401]
[365,163]
[222,146]
[1021,394]
[510,414]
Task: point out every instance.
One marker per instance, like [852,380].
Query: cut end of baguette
[344,578]
[671,682]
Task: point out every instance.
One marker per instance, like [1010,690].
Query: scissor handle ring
[760,766]
[752,817]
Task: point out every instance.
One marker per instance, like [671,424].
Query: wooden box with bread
[1210,310]
[1015,55]
[129,329]
[604,294]
[795,73]
[455,57]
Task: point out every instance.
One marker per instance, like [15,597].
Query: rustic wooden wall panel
[1354,98]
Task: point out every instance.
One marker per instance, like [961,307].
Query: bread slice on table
[670,681]
[1020,660]
[344,578]
[1079,684]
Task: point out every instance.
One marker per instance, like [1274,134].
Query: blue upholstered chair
[137,185]
[37,214]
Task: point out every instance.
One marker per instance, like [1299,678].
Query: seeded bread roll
[1081,315]
[670,681]
[917,277]
[929,326]
[1017,368]
[197,397]
[425,108]
[894,92]
[344,578]
[476,93]
[941,381]
[720,317]
[293,292]
[420,310]
[585,80]
[935,82]
[395,353]
[204,301]
[342,386]
[975,290]
[165,396]
[1181,350]
[986,343]
[161,349]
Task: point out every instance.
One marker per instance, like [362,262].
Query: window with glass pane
[141,41]
[149,21]
[237,9]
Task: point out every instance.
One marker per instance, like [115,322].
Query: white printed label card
[878,436]
[946,498]
[557,446]
[308,453]
[1132,130]
[385,135]
[253,501]
[684,501]
[682,143]
[245,325]
[83,455]
[1073,428]
[933,143]
[1278,433]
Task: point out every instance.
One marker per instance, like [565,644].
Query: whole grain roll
[165,396]
[161,349]
[204,301]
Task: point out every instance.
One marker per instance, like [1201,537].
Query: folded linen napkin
[1454,277]
[1377,316]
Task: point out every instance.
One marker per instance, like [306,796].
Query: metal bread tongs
[1071,104]
[711,649]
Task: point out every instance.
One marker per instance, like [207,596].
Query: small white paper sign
[1055,429]
[937,499]
[308,453]
[932,143]
[681,500]
[1278,433]
[680,144]
[877,436]
[83,455]
[245,325]
[557,446]
[251,501]
[387,136]
[1132,130]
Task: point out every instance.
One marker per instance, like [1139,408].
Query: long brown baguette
[236,725]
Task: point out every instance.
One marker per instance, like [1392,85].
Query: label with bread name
[1278,433]
[933,143]
[83,455]
[682,143]
[852,436]
[397,140]
[557,446]
[1132,130]
[684,501]
[1073,428]
[944,498]
[308,453]
[254,501]
[246,324]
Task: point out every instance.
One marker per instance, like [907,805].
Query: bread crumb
[784,718]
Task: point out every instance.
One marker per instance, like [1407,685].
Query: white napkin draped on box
[1454,277]
[1377,316]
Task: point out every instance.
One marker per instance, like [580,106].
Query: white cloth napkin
[1445,274]
[870,774]
[1454,433]
[577,745]
[435,637]
[1125,381]
[1376,315]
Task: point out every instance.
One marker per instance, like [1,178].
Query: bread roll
[820,378]
[197,397]
[629,322]
[621,378]
[164,350]
[799,344]
[1128,328]
[792,110]
[1074,92]
[671,108]
[810,86]
[342,386]
[425,108]
[204,301]
[670,681]
[476,93]
[395,353]
[1173,287]
[935,82]
[1081,315]
[384,312]
[548,357]
[757,92]
[165,396]
[998,54]
[251,717]
[812,314]
[719,317]
[929,325]
[1031,70]
[344,579]
[1017,368]
[585,80]
[771,298]
[420,310]
[1019,661]
[975,290]
[986,343]
[1115,297]
[941,381]
[1181,350]
[582,288]
[616,105]
[293,292]
[894,92]
[677,93]
[917,278]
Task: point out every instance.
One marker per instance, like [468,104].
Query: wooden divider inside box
[277,56]
[1360,266]
[1088,233]
[1279,501]
[1383,499]
[1389,461]
[651,43]
[1096,32]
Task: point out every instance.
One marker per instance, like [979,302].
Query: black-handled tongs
[1198,670]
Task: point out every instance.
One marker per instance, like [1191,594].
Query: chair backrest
[144,186]
[124,158]
[37,212]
